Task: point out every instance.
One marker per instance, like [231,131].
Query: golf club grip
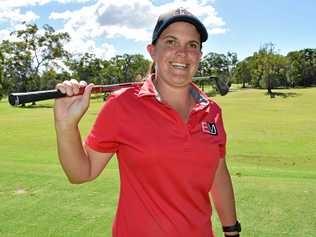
[16,99]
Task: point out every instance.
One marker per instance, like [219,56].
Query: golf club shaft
[16,99]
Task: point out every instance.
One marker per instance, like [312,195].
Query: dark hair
[151,68]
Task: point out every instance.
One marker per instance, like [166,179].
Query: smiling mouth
[179,65]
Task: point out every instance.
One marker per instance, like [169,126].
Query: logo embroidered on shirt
[209,128]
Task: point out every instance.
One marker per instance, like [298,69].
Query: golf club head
[221,86]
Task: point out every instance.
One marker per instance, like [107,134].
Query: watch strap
[236,235]
[233,228]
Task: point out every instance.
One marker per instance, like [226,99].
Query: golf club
[16,99]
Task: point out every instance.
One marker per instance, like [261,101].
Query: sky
[114,27]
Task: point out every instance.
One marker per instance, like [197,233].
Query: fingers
[75,86]
[87,91]
[70,87]
[83,83]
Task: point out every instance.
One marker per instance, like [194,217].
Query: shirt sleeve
[103,137]
[222,144]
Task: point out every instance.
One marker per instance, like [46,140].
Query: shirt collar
[148,89]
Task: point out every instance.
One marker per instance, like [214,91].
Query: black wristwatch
[233,228]
[236,235]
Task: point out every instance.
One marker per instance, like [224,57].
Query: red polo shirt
[166,166]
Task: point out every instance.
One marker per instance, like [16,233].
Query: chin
[183,75]
[182,79]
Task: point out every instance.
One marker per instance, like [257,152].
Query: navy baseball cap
[179,14]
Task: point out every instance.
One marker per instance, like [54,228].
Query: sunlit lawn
[271,155]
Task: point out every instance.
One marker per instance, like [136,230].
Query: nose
[182,51]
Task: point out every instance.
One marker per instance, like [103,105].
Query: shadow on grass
[283,94]
[36,106]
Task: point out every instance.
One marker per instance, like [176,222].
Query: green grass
[271,155]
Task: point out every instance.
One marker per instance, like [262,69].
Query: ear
[151,49]
[200,56]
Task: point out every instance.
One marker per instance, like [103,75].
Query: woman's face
[177,54]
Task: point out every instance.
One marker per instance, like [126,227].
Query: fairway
[271,154]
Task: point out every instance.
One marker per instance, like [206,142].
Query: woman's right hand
[69,110]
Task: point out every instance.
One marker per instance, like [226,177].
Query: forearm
[224,200]
[223,195]
[72,155]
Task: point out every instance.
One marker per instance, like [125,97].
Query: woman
[168,137]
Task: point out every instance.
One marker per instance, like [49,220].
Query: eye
[194,45]
[171,42]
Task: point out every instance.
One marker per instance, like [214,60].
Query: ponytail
[152,69]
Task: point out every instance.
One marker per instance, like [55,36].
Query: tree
[30,54]
[126,67]
[232,62]
[214,64]
[267,68]
[16,66]
[137,66]
[242,73]
[302,67]
[309,66]
[45,49]
[88,68]
[51,77]
[121,68]
[1,76]
[219,65]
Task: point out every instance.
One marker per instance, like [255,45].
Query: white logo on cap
[182,11]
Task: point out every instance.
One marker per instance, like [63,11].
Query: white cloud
[4,35]
[106,51]
[79,46]
[71,1]
[129,13]
[216,31]
[135,34]
[15,21]
[15,16]
[60,15]
[203,9]
[7,4]
[131,19]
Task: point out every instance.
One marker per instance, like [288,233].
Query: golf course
[271,154]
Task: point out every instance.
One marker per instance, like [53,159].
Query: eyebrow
[173,37]
[169,36]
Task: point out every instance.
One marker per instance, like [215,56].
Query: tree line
[38,61]
[268,69]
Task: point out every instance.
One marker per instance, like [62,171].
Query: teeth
[179,65]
